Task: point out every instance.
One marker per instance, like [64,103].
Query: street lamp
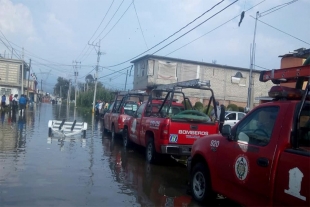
[250,94]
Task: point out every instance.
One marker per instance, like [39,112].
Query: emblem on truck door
[241,167]
[294,184]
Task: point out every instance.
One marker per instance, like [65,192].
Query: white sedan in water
[232,117]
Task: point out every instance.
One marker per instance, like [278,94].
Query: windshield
[130,108]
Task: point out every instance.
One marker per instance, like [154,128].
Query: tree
[61,87]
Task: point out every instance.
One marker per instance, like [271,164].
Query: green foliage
[187,104]
[86,98]
[241,109]
[198,106]
[205,110]
[232,107]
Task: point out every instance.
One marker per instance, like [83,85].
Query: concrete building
[11,73]
[230,84]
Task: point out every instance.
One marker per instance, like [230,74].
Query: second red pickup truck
[165,126]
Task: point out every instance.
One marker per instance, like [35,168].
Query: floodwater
[94,171]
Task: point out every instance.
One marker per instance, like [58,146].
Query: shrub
[241,109]
[232,107]
[198,106]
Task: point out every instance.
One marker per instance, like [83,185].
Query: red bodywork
[116,119]
[170,137]
[283,181]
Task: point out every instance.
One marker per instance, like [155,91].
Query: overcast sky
[54,33]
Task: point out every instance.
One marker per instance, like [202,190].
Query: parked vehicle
[113,120]
[232,117]
[164,126]
[264,159]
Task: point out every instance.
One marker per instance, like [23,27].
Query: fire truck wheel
[113,132]
[150,151]
[126,140]
[104,129]
[200,183]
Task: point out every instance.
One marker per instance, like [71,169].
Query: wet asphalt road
[96,171]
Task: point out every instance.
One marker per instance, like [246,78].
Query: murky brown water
[96,171]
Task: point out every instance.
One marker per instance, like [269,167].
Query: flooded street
[96,171]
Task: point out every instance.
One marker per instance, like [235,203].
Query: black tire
[200,184]
[104,129]
[49,132]
[150,152]
[112,132]
[126,140]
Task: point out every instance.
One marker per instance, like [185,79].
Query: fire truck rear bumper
[176,149]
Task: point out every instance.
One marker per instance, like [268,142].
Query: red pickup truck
[124,106]
[166,127]
[265,158]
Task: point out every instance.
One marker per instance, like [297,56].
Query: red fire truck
[265,158]
[165,125]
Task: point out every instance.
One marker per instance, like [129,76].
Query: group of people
[101,105]
[14,102]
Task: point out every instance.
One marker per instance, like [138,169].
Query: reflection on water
[152,185]
[72,171]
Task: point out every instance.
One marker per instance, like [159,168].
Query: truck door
[293,171]
[247,162]
[135,127]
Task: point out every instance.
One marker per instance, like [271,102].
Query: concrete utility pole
[22,92]
[250,89]
[96,75]
[28,78]
[76,73]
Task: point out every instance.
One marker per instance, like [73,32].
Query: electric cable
[195,27]
[134,6]
[117,21]
[97,28]
[213,29]
[273,9]
[167,37]
[109,21]
[114,72]
[281,31]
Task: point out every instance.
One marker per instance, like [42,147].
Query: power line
[114,72]
[195,27]
[97,28]
[134,6]
[18,56]
[168,36]
[212,29]
[281,31]
[102,20]
[117,21]
[276,8]
[109,21]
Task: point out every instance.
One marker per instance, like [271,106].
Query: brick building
[230,84]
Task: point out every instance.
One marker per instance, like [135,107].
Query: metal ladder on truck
[298,74]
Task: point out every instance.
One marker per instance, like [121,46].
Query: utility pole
[127,76]
[28,78]
[76,73]
[22,71]
[41,86]
[96,75]
[250,89]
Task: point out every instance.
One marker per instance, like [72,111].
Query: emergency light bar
[279,92]
[195,83]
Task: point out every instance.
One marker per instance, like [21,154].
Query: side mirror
[226,132]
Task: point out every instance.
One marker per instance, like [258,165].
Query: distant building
[230,84]
[11,78]
[294,59]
